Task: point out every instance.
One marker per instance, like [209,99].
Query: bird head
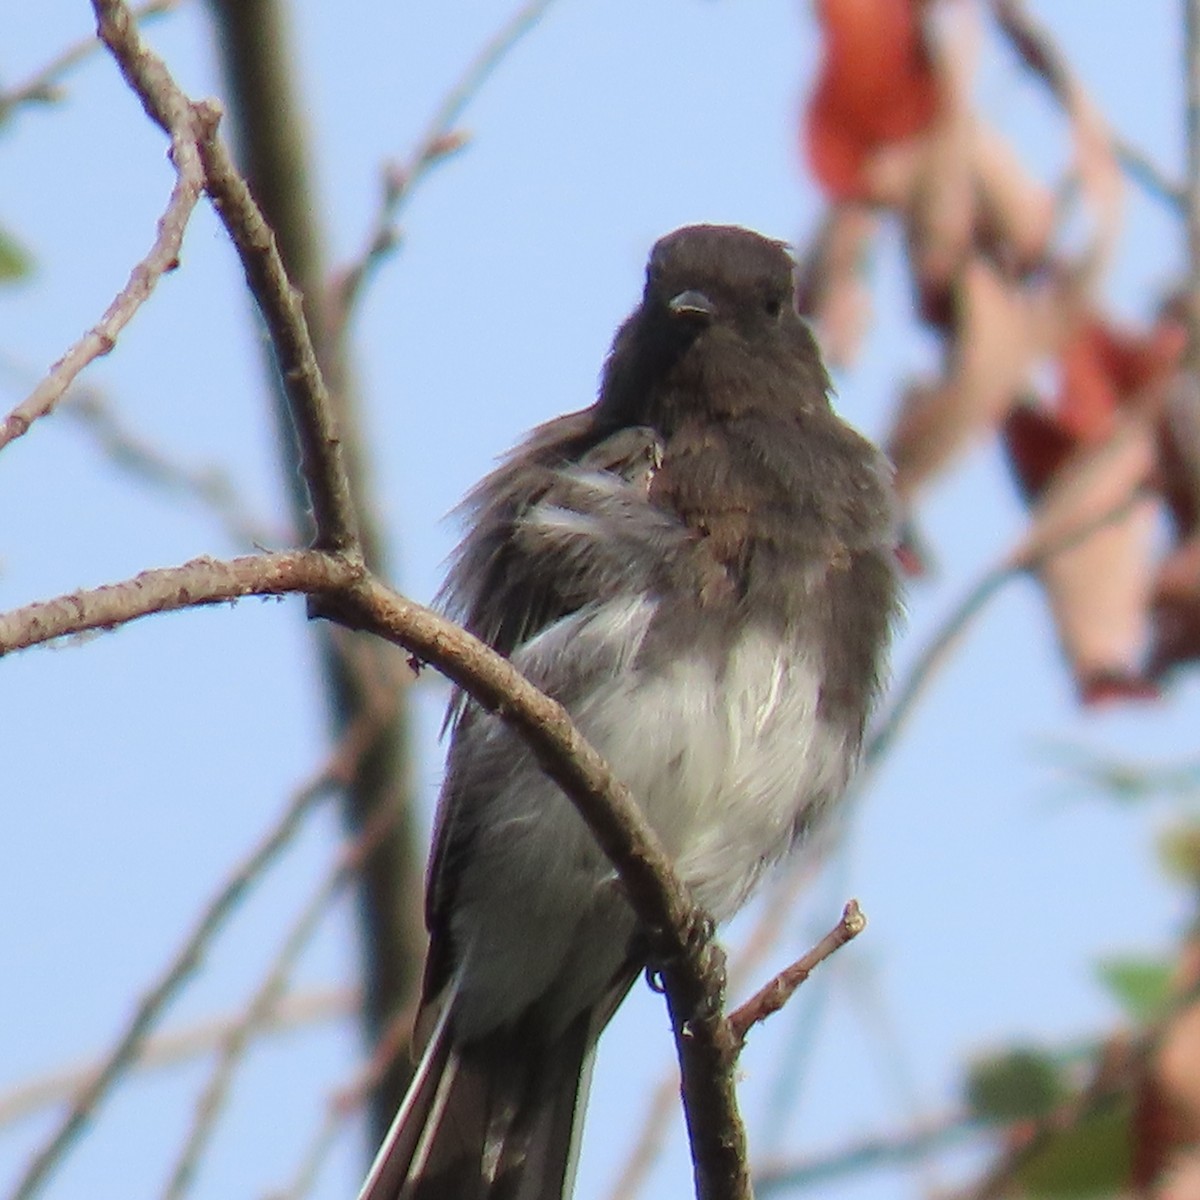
[717,331]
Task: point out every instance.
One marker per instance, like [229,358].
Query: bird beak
[695,305]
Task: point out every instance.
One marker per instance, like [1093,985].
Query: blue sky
[140,765]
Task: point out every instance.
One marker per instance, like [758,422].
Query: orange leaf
[1097,535]
[1001,331]
[877,86]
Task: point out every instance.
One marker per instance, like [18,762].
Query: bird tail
[494,1119]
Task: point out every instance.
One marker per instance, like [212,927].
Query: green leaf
[1092,1159]
[1020,1083]
[1179,852]
[1142,986]
[15,260]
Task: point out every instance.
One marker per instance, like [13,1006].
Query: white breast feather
[724,763]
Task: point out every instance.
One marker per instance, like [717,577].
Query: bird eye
[774,306]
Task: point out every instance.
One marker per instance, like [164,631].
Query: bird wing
[568,498]
[564,524]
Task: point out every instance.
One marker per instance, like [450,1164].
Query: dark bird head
[706,274]
[717,325]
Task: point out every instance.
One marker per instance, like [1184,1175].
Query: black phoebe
[700,568]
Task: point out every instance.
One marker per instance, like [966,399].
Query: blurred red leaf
[877,86]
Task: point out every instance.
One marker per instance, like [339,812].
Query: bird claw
[655,981]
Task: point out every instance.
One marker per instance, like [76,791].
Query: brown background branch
[297,1010]
[131,1041]
[266,113]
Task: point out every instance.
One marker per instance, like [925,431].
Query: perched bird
[700,568]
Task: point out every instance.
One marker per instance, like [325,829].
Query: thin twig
[1096,161]
[439,142]
[364,603]
[299,1010]
[884,1150]
[654,1127]
[187,126]
[130,1042]
[1026,556]
[767,931]
[169,589]
[308,397]
[274,983]
[1138,165]
[342,1104]
[770,998]
[659,899]
[41,87]
[281,308]
[211,486]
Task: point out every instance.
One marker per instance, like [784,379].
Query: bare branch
[907,1146]
[774,995]
[691,964]
[1143,170]
[295,1011]
[343,1103]
[707,1054]
[168,589]
[42,86]
[440,141]
[750,954]
[130,1043]
[268,123]
[605,804]
[211,486]
[1025,556]
[357,600]
[266,997]
[281,307]
[283,312]
[187,126]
